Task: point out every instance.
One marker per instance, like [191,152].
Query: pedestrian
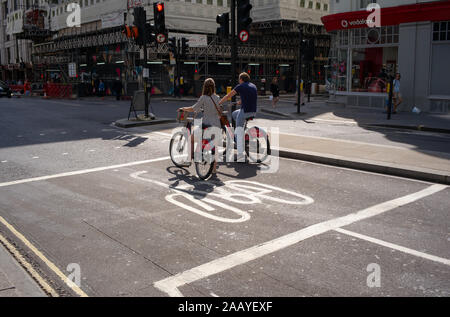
[249,99]
[397,94]
[209,105]
[117,87]
[274,89]
[101,89]
[27,88]
[177,87]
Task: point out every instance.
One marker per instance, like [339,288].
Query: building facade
[412,39]
[101,51]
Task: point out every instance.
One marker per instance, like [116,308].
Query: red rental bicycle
[181,149]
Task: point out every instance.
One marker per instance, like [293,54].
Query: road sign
[243,36]
[161,38]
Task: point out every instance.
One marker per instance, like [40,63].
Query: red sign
[429,11]
[243,36]
[161,38]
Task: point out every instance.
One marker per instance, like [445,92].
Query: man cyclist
[249,96]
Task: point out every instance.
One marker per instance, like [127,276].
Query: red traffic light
[160,7]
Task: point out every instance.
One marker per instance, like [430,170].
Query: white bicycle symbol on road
[241,192]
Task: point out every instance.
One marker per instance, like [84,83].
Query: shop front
[362,59]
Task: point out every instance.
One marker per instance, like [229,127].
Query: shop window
[371,68]
[338,75]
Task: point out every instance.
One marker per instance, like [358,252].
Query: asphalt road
[110,202]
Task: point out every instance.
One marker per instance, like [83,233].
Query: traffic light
[173,45]
[160,18]
[140,19]
[184,46]
[224,21]
[243,19]
[149,33]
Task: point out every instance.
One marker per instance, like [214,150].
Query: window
[383,35]
[441,31]
[370,68]
[364,3]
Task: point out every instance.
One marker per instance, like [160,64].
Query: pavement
[14,280]
[320,110]
[84,192]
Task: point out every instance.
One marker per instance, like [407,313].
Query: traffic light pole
[299,85]
[233,53]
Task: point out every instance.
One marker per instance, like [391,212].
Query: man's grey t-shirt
[210,114]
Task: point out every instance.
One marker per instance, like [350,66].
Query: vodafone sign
[355,23]
[426,11]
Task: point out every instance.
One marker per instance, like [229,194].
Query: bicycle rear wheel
[205,167]
[257,145]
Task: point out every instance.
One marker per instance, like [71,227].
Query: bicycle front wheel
[179,150]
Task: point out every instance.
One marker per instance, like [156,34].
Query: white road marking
[91,150]
[65,153]
[171,284]
[39,254]
[20,136]
[395,246]
[42,134]
[5,161]
[80,172]
[333,121]
[213,295]
[162,134]
[35,157]
[234,191]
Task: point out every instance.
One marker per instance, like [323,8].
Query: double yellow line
[45,286]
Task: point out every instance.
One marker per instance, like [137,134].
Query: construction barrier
[58,91]
[16,88]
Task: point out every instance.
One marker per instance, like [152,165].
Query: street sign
[161,38]
[243,36]
[146,73]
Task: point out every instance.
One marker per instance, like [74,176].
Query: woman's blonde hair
[209,87]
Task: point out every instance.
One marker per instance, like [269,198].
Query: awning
[429,11]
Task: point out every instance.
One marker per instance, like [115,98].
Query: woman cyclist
[208,103]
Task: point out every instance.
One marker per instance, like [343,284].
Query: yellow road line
[42,283]
[39,254]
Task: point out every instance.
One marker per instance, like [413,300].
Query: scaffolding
[271,51]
